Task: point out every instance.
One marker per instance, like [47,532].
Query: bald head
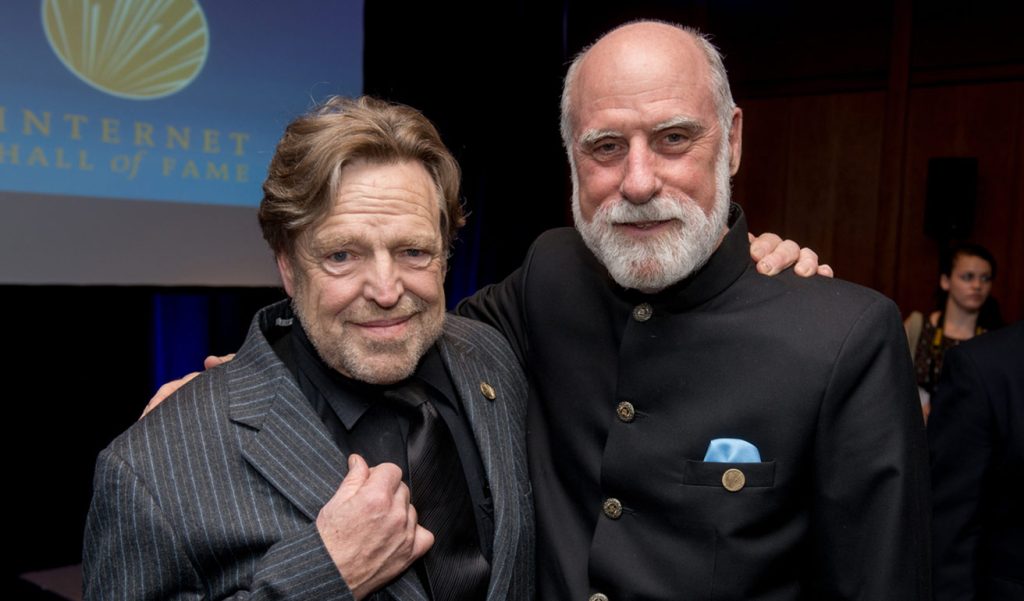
[652,137]
[638,54]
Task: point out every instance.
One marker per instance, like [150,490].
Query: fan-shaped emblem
[136,49]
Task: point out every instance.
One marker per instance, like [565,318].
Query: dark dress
[931,348]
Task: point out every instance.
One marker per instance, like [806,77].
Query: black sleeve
[871,505]
[502,306]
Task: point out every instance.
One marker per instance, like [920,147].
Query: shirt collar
[351,398]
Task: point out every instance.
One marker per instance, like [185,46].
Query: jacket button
[598,597]
[642,312]
[488,391]
[625,411]
[612,508]
[733,479]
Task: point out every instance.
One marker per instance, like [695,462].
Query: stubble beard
[370,360]
[653,263]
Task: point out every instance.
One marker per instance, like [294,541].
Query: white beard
[654,263]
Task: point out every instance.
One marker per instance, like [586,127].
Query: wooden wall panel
[810,171]
[760,184]
[984,121]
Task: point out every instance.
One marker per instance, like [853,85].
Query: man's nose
[383,283]
[640,182]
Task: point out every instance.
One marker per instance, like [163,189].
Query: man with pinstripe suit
[283,474]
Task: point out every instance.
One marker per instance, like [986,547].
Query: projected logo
[136,49]
[181,102]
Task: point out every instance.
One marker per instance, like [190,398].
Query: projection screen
[135,134]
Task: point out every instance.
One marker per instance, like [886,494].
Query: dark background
[843,107]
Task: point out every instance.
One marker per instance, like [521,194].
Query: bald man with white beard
[697,430]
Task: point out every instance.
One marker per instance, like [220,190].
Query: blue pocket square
[731,450]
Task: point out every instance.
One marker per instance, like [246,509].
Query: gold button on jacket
[612,508]
[643,312]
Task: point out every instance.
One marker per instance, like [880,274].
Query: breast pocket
[733,477]
[746,507]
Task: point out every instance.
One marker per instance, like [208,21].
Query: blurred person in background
[965,310]
[976,439]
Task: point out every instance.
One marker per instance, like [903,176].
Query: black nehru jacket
[629,389]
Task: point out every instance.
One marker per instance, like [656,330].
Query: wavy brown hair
[305,173]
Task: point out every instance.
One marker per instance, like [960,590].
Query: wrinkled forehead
[404,180]
[381,200]
[640,62]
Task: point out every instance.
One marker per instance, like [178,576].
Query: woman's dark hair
[989,316]
[964,249]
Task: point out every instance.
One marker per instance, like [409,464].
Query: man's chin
[649,274]
[646,283]
[383,369]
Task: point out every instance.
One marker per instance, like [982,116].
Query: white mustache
[657,209]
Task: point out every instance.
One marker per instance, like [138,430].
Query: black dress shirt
[361,422]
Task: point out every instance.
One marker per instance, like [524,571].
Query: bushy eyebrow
[317,246]
[591,136]
[326,244]
[680,122]
[427,243]
[690,124]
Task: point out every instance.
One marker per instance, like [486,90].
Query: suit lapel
[488,422]
[279,434]
[293,451]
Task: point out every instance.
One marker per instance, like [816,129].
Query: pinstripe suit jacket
[215,494]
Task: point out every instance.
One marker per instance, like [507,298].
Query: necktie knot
[409,398]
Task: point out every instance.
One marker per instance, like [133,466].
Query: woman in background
[965,310]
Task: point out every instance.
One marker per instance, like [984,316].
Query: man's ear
[284,266]
[735,141]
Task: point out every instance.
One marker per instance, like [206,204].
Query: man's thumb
[358,472]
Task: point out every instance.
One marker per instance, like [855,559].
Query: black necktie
[455,567]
